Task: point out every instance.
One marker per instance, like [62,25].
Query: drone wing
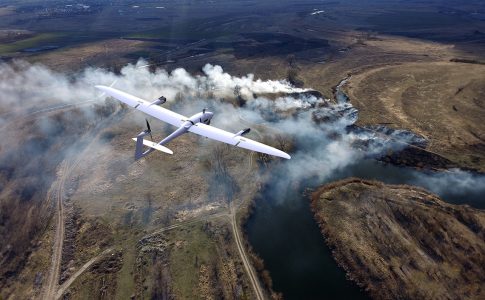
[156,111]
[235,140]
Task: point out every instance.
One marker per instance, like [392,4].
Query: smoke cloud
[321,132]
[317,127]
[455,185]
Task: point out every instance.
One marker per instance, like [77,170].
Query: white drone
[198,124]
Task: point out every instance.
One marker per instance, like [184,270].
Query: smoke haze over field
[320,147]
[23,84]
[319,130]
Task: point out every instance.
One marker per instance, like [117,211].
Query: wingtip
[282,154]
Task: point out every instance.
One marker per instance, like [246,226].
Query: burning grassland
[202,178]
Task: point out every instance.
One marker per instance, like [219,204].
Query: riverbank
[398,241]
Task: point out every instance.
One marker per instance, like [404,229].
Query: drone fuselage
[202,117]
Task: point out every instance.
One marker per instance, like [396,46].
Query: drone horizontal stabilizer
[155,146]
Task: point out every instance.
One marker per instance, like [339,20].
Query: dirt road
[52,282]
[53,277]
[62,289]
[247,265]
[81,270]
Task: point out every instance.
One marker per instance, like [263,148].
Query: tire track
[52,279]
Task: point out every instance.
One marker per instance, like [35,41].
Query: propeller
[149,130]
[209,107]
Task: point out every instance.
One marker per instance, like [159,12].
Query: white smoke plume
[453,185]
[30,151]
[218,80]
[322,147]
[25,84]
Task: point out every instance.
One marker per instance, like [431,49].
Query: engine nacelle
[243,132]
[159,101]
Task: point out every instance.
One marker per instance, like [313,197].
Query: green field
[38,40]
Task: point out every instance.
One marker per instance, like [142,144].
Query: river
[284,234]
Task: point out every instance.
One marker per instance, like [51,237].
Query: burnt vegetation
[274,44]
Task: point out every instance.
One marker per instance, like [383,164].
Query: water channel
[284,234]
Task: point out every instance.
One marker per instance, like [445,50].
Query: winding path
[247,265]
[81,270]
[53,277]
